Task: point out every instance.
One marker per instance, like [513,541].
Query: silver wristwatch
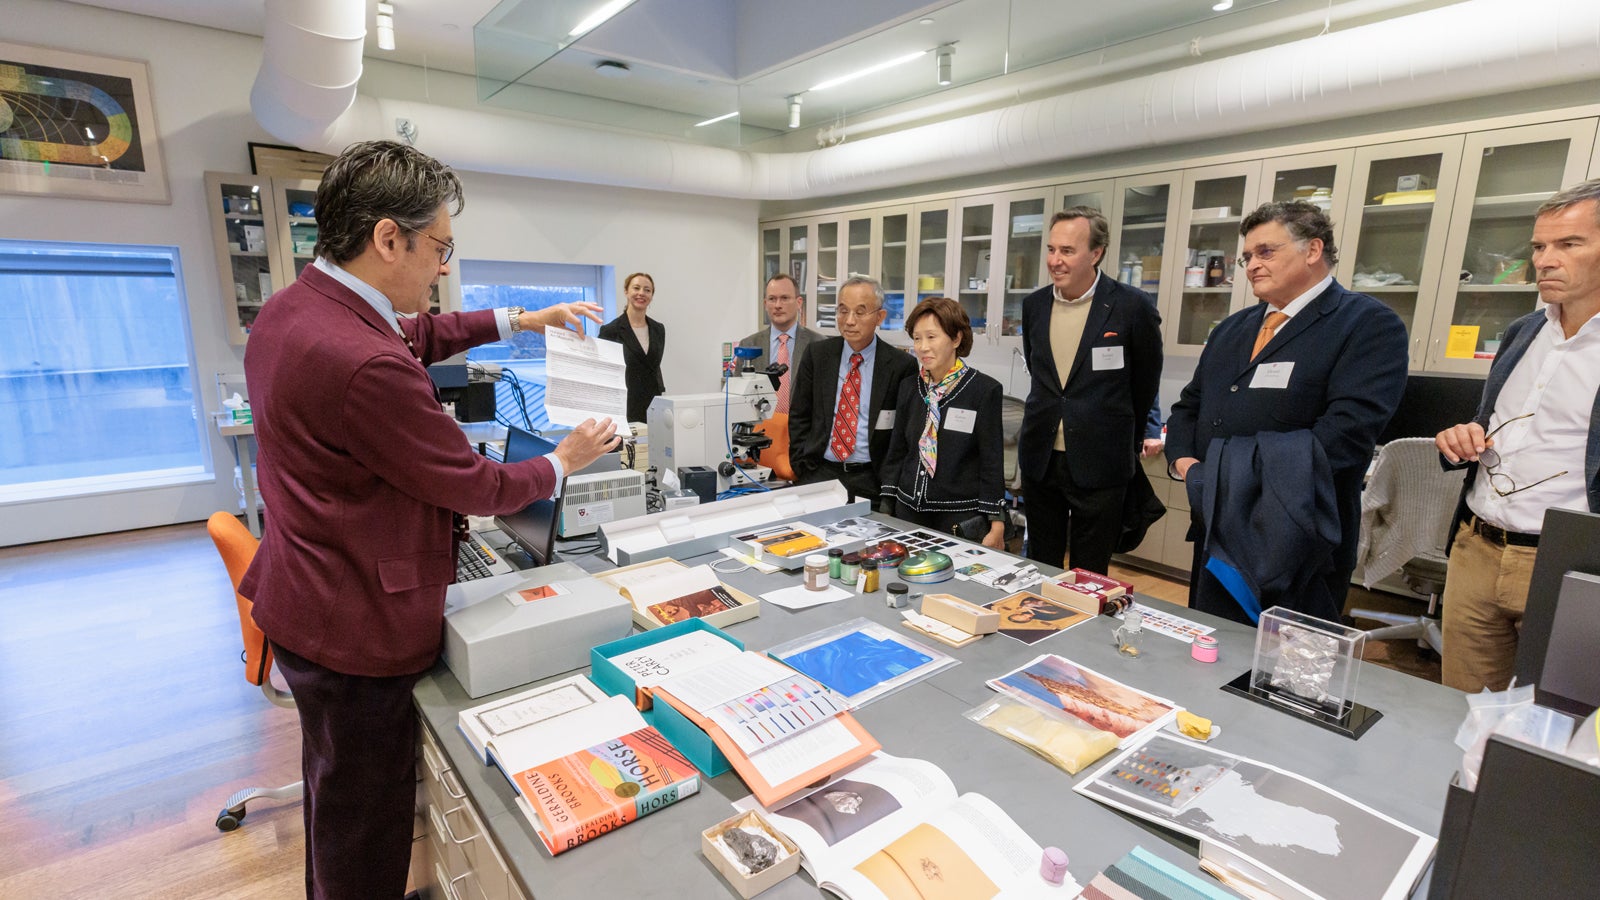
[515,312]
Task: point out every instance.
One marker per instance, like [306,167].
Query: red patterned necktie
[844,415]
[783,380]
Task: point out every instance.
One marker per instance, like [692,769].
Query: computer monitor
[533,528]
[1561,624]
[1432,403]
[1528,830]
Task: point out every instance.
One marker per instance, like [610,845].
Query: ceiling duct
[1452,53]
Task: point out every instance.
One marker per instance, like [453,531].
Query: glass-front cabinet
[934,256]
[825,288]
[1026,217]
[1143,226]
[893,269]
[244,219]
[297,225]
[1393,242]
[1505,175]
[975,260]
[1205,285]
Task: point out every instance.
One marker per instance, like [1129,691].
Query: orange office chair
[237,546]
[776,457]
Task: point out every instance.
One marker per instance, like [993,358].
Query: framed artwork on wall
[75,125]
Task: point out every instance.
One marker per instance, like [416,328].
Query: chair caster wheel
[227,821]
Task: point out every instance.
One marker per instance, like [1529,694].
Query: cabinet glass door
[241,208]
[1095,195]
[1024,260]
[1140,227]
[858,251]
[977,246]
[1398,222]
[933,252]
[1214,205]
[827,257]
[771,255]
[896,243]
[1510,173]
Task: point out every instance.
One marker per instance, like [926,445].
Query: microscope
[709,435]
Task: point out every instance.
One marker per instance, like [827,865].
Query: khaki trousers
[1486,589]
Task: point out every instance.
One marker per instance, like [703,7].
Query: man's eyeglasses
[446,250]
[1263,252]
[847,313]
[1490,461]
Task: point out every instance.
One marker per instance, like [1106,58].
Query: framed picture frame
[283,161]
[80,126]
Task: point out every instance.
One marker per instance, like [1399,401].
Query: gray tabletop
[1400,767]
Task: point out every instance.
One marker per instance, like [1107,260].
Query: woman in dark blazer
[944,461]
[643,341]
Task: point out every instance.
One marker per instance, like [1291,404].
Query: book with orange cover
[775,772]
[578,797]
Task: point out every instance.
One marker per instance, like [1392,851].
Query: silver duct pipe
[1452,53]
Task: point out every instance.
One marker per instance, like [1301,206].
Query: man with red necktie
[841,411]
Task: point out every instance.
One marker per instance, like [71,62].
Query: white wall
[702,252]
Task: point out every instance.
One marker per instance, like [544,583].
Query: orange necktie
[783,380]
[1269,327]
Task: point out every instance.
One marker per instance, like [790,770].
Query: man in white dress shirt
[1534,445]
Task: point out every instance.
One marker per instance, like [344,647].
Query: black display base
[1353,724]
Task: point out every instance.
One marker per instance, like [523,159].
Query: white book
[502,724]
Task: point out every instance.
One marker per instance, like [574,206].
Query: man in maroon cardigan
[363,474]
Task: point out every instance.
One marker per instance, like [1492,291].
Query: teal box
[690,740]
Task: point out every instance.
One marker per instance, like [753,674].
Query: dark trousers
[358,745]
[857,478]
[1059,509]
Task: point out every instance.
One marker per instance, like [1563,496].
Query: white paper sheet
[803,752]
[649,665]
[798,597]
[584,379]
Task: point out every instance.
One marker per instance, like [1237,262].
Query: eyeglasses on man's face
[446,249]
[1263,252]
[1489,459]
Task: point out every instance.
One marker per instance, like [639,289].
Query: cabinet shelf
[240,217]
[252,254]
[984,238]
[894,243]
[1216,220]
[1219,289]
[1397,211]
[1142,226]
[1498,289]
[1387,289]
[302,220]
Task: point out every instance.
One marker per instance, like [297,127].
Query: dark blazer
[1519,337]
[361,469]
[803,338]
[815,389]
[970,475]
[643,369]
[1349,353]
[1103,410]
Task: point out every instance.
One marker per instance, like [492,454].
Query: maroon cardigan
[360,470]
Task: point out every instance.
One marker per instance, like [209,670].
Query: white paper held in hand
[584,379]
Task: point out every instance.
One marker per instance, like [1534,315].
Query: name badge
[1272,375]
[960,420]
[885,419]
[1102,358]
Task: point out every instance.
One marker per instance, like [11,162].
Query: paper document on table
[584,379]
[802,753]
[756,701]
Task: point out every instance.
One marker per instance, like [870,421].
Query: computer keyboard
[475,559]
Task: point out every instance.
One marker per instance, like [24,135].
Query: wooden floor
[125,724]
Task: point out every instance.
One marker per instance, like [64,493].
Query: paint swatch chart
[756,700]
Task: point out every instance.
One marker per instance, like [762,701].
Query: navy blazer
[1519,337]
[815,389]
[1349,353]
[643,369]
[1103,411]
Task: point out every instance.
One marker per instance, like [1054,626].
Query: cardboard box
[1086,592]
[952,610]
[749,607]
[749,885]
[495,643]
[1414,182]
[675,726]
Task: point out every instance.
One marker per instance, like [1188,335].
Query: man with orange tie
[785,340]
[841,411]
[1313,357]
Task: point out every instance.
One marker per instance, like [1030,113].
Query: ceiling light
[1222,6]
[925,22]
[722,117]
[945,53]
[598,16]
[888,64]
[794,111]
[385,26]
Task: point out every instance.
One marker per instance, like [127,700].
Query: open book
[582,763]
[894,829]
[664,591]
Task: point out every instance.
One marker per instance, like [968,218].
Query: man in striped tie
[842,407]
[1311,356]
[784,340]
